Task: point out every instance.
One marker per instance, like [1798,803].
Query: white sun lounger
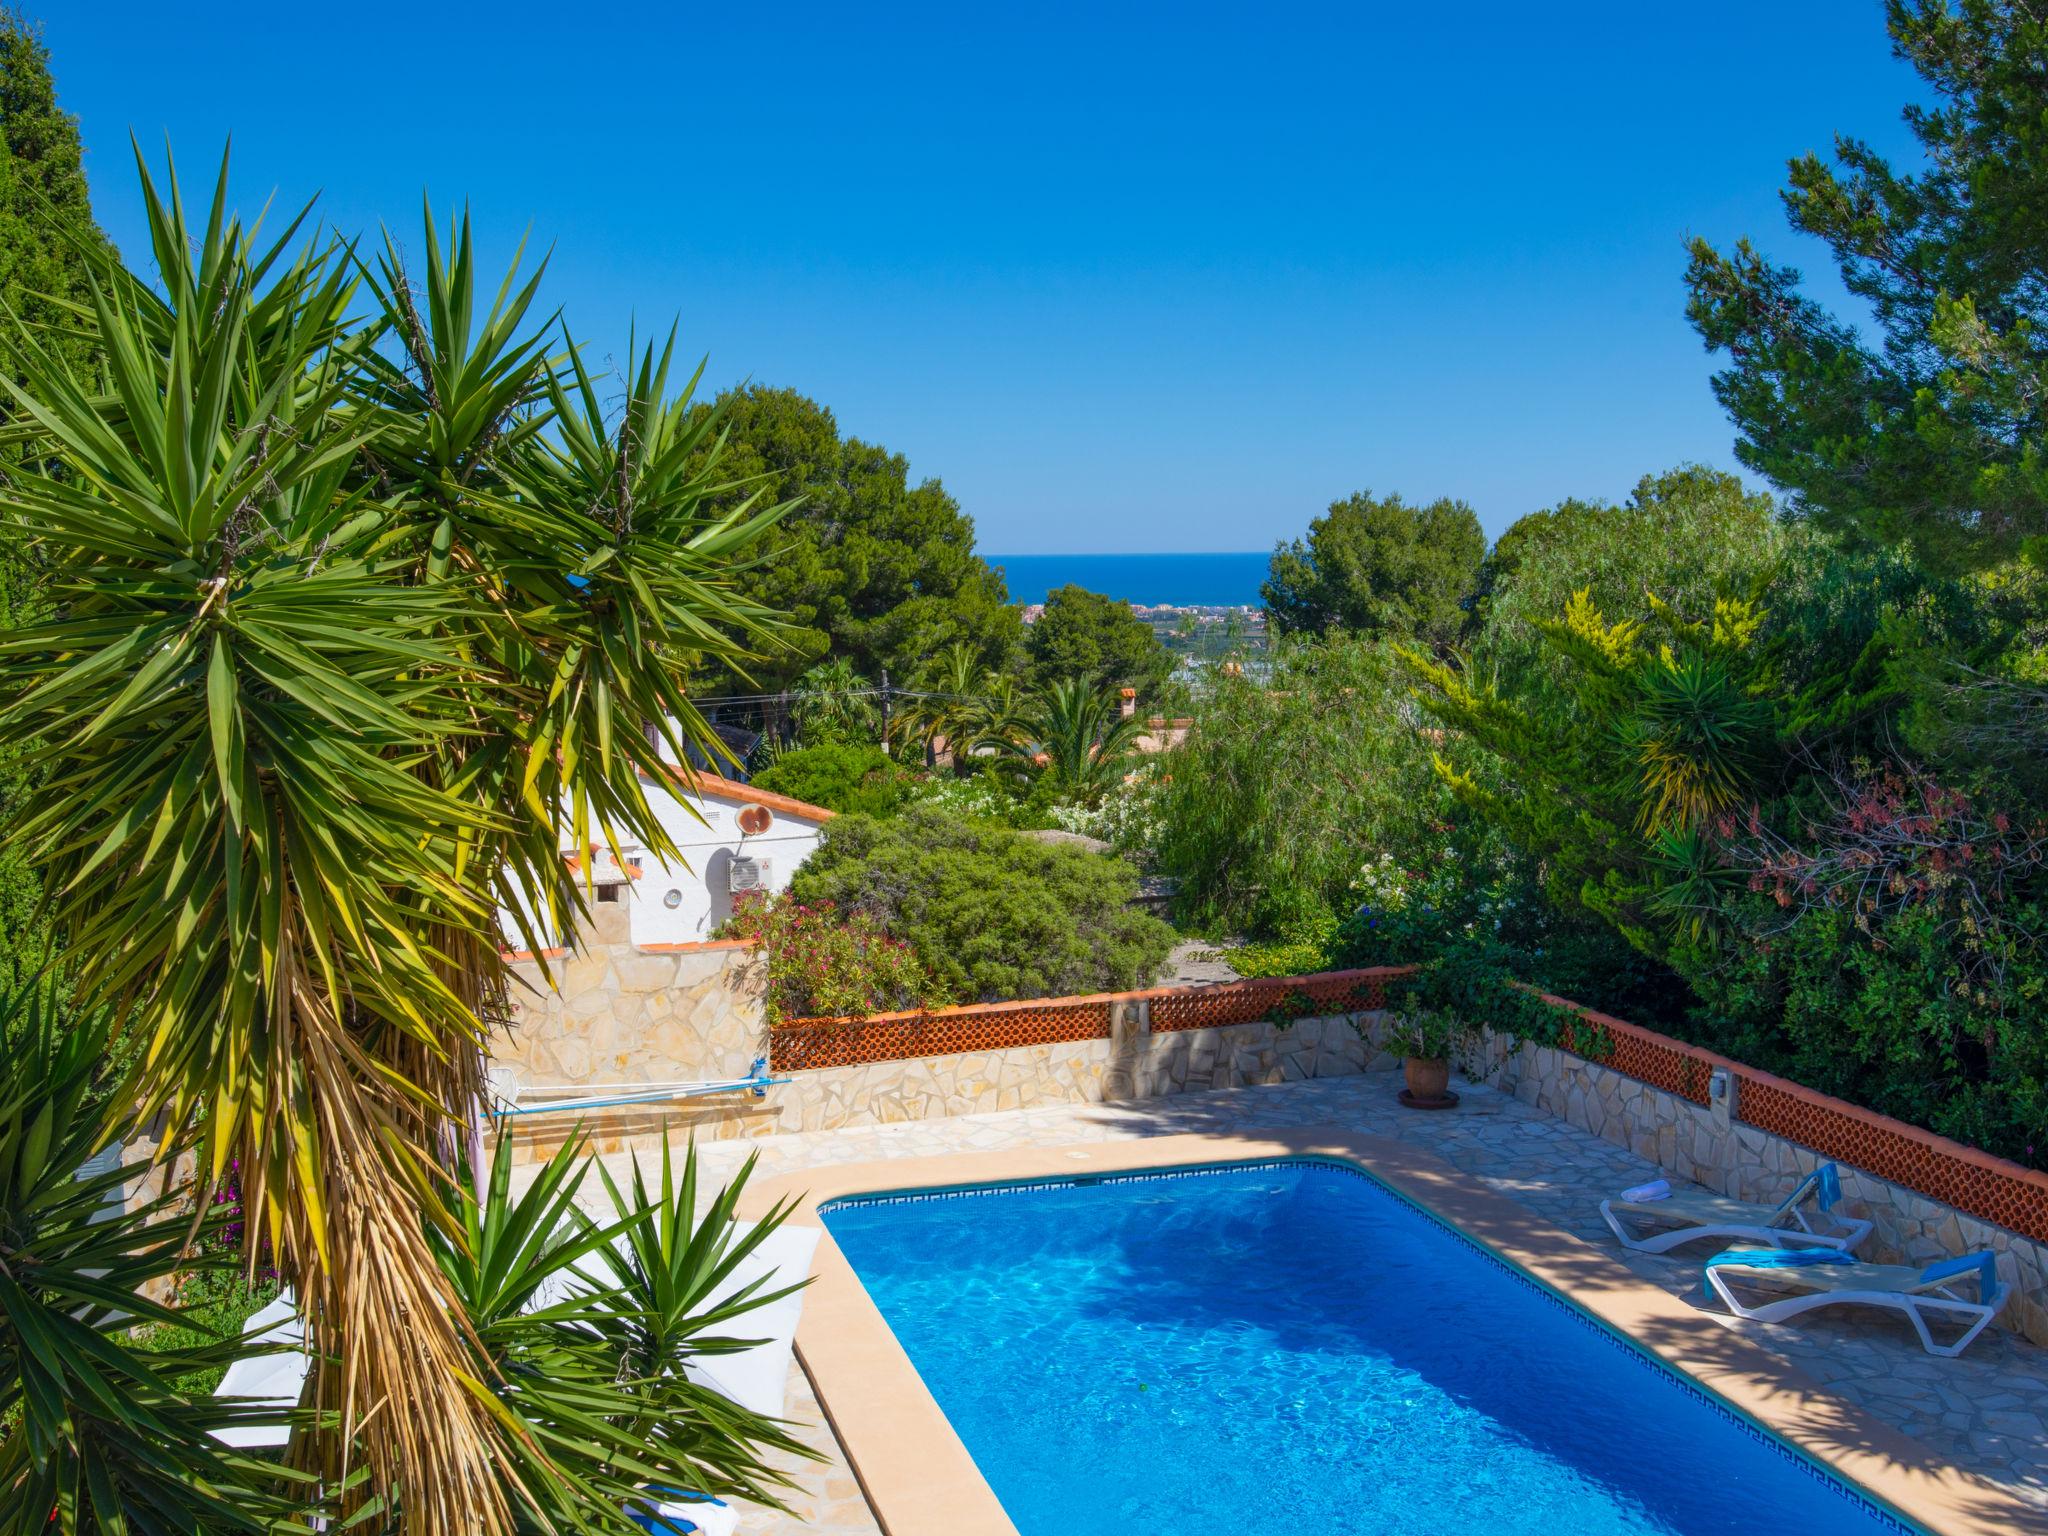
[1806,1218]
[274,1381]
[1922,1294]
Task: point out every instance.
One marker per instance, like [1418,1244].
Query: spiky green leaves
[592,1326]
[355,623]
[96,1436]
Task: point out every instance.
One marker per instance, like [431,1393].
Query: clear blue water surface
[1187,581]
[1290,1350]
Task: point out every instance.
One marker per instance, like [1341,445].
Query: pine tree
[45,211]
[45,219]
[1934,430]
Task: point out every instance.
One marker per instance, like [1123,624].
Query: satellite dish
[754,820]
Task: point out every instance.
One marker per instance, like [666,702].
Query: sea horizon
[1182,579]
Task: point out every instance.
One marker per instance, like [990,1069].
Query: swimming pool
[1288,1349]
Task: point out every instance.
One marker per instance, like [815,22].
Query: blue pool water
[1289,1349]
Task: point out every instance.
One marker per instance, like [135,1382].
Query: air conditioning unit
[747,873]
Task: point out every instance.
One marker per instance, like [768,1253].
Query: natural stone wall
[1133,1064]
[660,1014]
[1710,1148]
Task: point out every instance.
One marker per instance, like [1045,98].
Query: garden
[339,585]
[1762,769]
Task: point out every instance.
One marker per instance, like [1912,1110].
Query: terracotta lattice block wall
[807,1044]
[1639,1053]
[1973,1181]
[1248,1002]
[815,1043]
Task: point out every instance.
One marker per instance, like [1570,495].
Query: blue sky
[1124,277]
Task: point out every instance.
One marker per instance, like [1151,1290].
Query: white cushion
[711,1517]
[758,1378]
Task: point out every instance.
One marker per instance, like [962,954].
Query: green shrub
[846,777]
[1126,817]
[1308,947]
[994,792]
[1894,954]
[1287,789]
[1470,889]
[992,915]
[826,964]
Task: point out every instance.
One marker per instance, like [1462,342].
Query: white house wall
[701,880]
[708,852]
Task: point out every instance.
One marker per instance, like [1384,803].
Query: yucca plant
[95,1434]
[592,1327]
[1696,738]
[351,623]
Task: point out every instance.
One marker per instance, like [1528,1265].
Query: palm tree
[352,625]
[834,703]
[945,705]
[1077,733]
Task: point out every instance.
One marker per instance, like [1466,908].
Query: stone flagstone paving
[1984,1411]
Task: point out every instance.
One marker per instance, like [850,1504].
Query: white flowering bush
[1127,819]
[1382,884]
[979,798]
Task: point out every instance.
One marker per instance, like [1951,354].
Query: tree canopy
[870,567]
[1378,566]
[1687,534]
[45,213]
[46,230]
[1272,810]
[1085,636]
[1932,428]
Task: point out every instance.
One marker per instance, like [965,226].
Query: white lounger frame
[1846,1233]
[1939,1298]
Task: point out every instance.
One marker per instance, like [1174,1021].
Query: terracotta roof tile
[701,782]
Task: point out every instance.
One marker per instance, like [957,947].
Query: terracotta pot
[1429,1077]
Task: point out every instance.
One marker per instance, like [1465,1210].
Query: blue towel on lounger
[671,1525]
[1830,1182]
[1773,1258]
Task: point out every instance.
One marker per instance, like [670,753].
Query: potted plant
[1424,1039]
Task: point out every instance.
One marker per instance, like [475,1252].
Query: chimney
[1130,697]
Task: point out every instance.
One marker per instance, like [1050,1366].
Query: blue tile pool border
[1883,1513]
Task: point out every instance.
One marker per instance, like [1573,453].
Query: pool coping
[920,1480]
